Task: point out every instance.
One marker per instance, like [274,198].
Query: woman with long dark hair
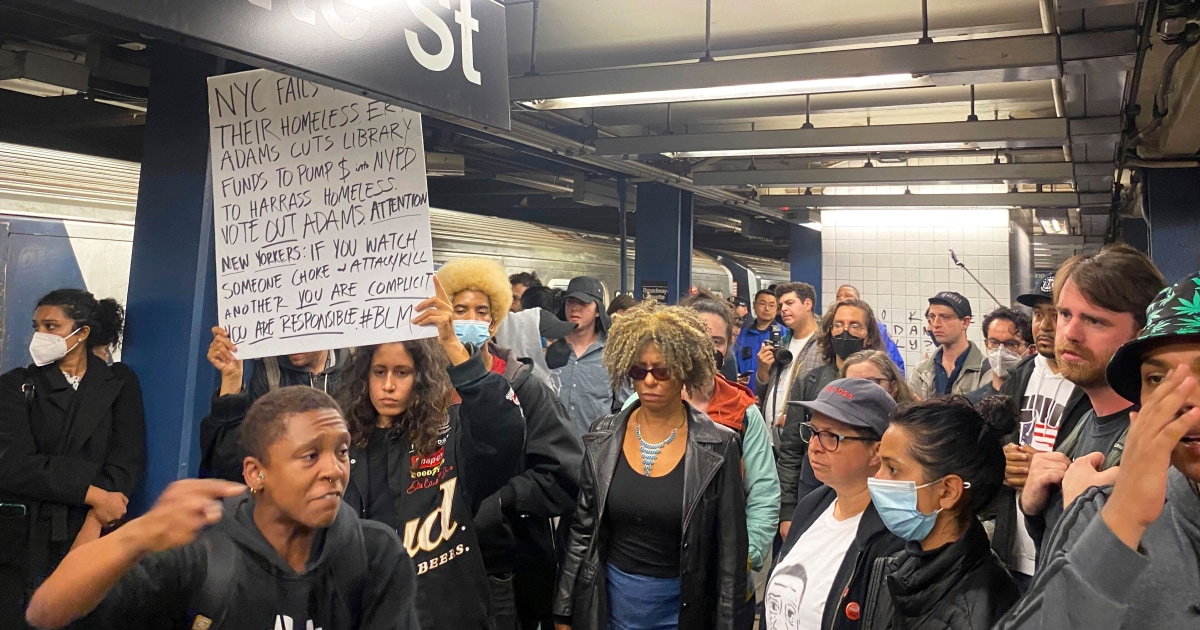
[433,434]
[659,538]
[942,462]
[72,442]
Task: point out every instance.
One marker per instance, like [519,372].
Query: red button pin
[853,612]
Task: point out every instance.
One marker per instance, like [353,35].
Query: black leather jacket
[962,585]
[713,551]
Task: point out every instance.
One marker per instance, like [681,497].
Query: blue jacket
[892,350]
[748,343]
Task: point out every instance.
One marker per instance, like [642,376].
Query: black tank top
[645,517]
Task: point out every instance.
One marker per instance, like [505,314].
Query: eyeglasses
[855,328]
[638,373]
[829,440]
[1014,345]
[877,381]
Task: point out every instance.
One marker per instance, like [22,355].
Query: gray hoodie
[1087,578]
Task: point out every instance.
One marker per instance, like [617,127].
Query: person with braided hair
[659,538]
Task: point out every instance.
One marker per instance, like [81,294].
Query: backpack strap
[271,365]
[211,604]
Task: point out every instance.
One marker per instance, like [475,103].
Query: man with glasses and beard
[1101,302]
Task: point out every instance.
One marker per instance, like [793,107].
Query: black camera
[783,356]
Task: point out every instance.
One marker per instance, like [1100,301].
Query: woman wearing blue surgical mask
[72,442]
[942,463]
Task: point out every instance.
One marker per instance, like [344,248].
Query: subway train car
[58,228]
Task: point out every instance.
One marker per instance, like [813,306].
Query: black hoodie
[161,591]
[220,455]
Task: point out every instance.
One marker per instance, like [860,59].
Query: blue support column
[804,254]
[664,240]
[172,294]
[1171,212]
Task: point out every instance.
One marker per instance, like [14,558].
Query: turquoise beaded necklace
[650,452]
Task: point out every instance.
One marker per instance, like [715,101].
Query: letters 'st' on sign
[322,216]
[353,28]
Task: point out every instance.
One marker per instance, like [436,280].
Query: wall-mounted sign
[448,56]
[655,290]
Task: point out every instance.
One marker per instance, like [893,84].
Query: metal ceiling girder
[968,200]
[1033,172]
[994,60]
[986,134]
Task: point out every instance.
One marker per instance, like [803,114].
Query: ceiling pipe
[1049,18]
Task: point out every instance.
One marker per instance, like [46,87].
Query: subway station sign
[448,56]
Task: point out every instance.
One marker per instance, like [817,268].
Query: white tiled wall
[898,259]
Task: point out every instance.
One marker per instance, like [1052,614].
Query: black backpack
[223,564]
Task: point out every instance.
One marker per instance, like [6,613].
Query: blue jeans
[639,602]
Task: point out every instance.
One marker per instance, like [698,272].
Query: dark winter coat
[220,455]
[513,525]
[162,591]
[57,444]
[437,497]
[713,551]
[861,567]
[962,586]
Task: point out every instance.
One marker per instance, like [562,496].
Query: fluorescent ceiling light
[874,148]
[1052,226]
[123,104]
[722,92]
[35,88]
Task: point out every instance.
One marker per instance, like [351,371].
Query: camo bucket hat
[1173,314]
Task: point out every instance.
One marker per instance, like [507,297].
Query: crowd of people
[553,459]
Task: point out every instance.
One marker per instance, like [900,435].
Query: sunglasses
[638,373]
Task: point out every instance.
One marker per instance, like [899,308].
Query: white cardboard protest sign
[322,216]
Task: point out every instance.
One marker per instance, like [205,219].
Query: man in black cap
[958,367]
[1127,555]
[1049,404]
[576,361]
[825,568]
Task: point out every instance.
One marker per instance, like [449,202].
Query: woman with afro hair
[659,538]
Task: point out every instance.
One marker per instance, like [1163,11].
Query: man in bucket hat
[1134,548]
[824,569]
[576,361]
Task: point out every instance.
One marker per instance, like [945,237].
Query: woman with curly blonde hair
[659,538]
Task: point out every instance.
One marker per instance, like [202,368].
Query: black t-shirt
[380,503]
[645,516]
[1100,434]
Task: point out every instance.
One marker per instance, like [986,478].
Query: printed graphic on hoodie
[426,535]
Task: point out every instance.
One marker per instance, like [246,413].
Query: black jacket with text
[437,496]
[713,550]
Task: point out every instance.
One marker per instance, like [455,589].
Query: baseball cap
[1043,290]
[585,289]
[1174,315]
[854,401]
[960,304]
[552,327]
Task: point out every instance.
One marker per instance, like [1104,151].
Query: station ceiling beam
[971,200]
[987,134]
[1021,58]
[1035,172]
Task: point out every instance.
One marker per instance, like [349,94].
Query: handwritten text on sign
[322,216]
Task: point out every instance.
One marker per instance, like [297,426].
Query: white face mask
[46,348]
[1003,361]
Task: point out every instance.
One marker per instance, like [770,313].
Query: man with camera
[787,355]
